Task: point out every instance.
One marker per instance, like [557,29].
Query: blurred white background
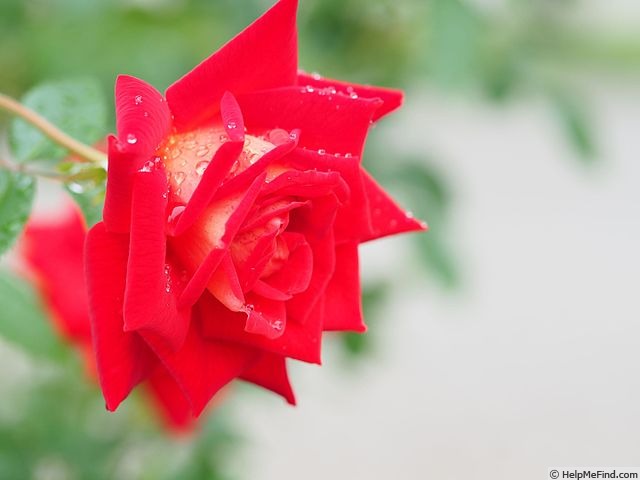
[535,362]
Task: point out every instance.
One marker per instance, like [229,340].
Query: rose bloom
[52,252]
[233,214]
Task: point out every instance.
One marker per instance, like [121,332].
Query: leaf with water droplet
[16,198]
[77,107]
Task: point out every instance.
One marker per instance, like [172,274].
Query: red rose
[233,214]
[52,251]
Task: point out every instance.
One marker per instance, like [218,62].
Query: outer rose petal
[123,359]
[265,55]
[171,401]
[270,372]
[143,118]
[342,298]
[392,99]
[297,341]
[387,218]
[335,123]
[151,289]
[202,367]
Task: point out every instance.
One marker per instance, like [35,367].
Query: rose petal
[352,217]
[152,283]
[270,372]
[343,296]
[295,275]
[297,341]
[211,180]
[244,179]
[117,201]
[265,55]
[392,99]
[123,359]
[202,367]
[205,271]
[265,317]
[143,119]
[171,402]
[387,218]
[334,123]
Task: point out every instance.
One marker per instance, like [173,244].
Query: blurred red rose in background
[52,251]
[232,219]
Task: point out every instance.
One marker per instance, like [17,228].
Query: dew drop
[293,136]
[347,155]
[137,99]
[76,187]
[232,125]
[409,215]
[309,89]
[179,176]
[132,139]
[277,325]
[322,151]
[201,167]
[203,151]
[316,76]
[175,212]
[146,114]
[148,166]
[353,95]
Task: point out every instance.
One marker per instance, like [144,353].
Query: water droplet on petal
[309,89]
[132,139]
[179,176]
[175,212]
[138,99]
[316,76]
[277,325]
[203,151]
[347,155]
[232,125]
[293,135]
[146,114]
[410,215]
[353,95]
[148,166]
[322,151]
[201,167]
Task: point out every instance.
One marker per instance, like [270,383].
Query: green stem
[54,133]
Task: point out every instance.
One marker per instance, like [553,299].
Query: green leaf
[77,107]
[16,198]
[22,320]
[90,199]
